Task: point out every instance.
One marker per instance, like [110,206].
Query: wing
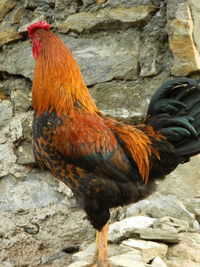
[88,142]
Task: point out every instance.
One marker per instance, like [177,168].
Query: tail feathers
[174,110]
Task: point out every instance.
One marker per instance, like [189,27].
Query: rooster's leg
[101,256]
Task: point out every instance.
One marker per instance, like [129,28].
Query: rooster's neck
[58,84]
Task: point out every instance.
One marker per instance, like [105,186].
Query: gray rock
[5,7]
[9,84]
[22,101]
[106,19]
[126,227]
[106,58]
[102,59]
[46,245]
[159,207]
[64,8]
[28,194]
[169,223]
[161,235]
[149,250]
[186,253]
[153,45]
[24,154]
[18,60]
[177,183]
[80,22]
[6,112]
[8,35]
[134,14]
[36,213]
[123,98]
[129,259]
[129,3]
[158,262]
[78,264]
[7,158]
[193,206]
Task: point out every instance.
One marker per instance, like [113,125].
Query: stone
[85,254]
[18,60]
[126,227]
[158,207]
[182,263]
[87,21]
[7,158]
[36,3]
[195,9]
[115,57]
[149,250]
[123,98]
[18,196]
[15,127]
[9,84]
[17,15]
[180,30]
[158,262]
[78,264]
[177,183]
[8,35]
[27,127]
[161,235]
[22,101]
[169,223]
[129,3]
[31,210]
[129,259]
[64,8]
[79,22]
[134,14]
[5,7]
[193,206]
[24,154]
[6,112]
[153,44]
[186,253]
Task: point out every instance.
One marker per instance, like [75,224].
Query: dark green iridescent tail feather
[174,110]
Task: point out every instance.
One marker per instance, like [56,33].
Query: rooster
[106,163]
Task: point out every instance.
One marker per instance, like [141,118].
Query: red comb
[37,25]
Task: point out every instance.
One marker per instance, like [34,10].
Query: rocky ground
[126,49]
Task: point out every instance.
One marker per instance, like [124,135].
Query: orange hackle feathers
[137,143]
[140,147]
[58,82]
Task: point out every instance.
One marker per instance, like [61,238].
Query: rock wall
[126,49]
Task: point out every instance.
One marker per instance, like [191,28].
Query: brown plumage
[106,163]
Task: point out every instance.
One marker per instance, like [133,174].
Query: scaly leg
[101,256]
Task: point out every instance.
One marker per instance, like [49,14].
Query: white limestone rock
[125,228]
[148,249]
